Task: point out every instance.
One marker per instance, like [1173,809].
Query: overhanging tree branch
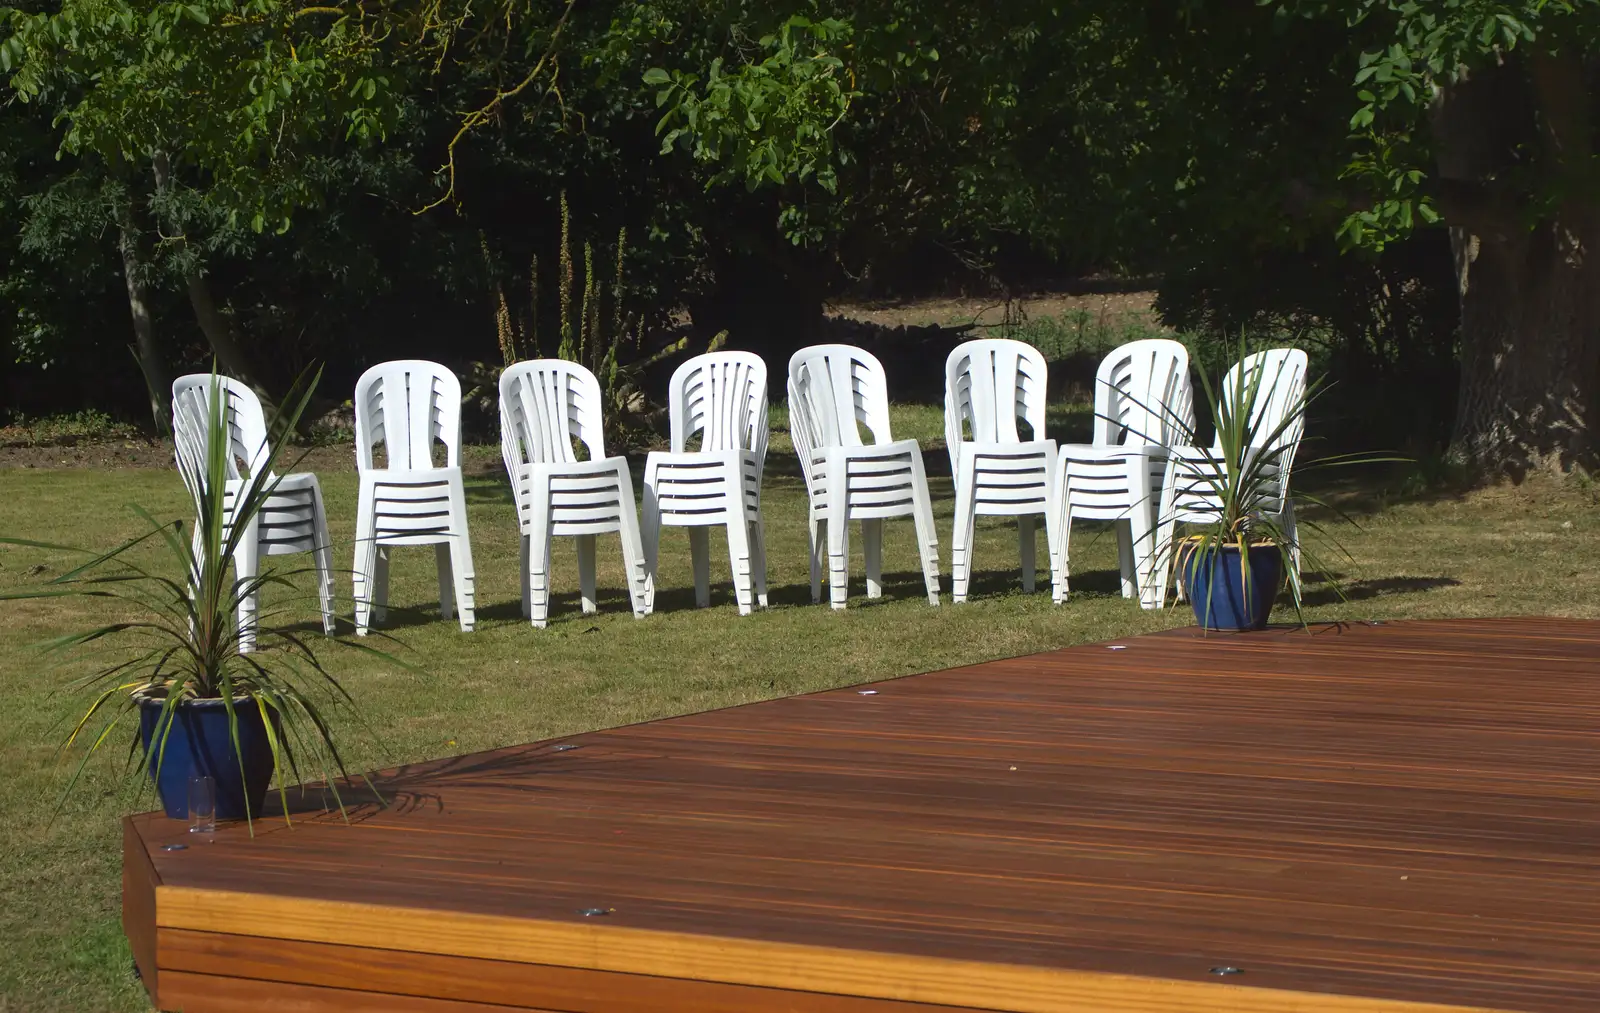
[481,115]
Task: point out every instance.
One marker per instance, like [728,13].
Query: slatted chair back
[1142,394]
[990,384]
[1277,428]
[191,418]
[408,406]
[546,404]
[1279,375]
[722,396]
[834,390]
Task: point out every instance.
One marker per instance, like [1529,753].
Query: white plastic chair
[1190,494]
[1143,405]
[989,385]
[409,406]
[722,396]
[545,404]
[291,520]
[833,390]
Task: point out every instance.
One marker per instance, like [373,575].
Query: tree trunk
[215,323]
[1529,280]
[144,343]
[1530,346]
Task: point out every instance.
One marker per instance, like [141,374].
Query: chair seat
[880,481]
[1107,483]
[1008,479]
[693,489]
[585,497]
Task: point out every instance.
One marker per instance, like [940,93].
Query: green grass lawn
[1531,550]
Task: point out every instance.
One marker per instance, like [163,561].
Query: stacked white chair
[1190,492]
[989,385]
[291,520]
[834,390]
[722,397]
[545,405]
[411,407]
[1143,405]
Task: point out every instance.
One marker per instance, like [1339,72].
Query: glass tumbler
[202,804]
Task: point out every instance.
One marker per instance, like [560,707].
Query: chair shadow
[1362,590]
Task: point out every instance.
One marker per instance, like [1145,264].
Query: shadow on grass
[1362,590]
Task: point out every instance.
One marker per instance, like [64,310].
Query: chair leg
[246,564]
[872,546]
[1055,508]
[324,565]
[650,534]
[363,570]
[738,561]
[586,576]
[816,558]
[323,556]
[537,575]
[522,569]
[461,557]
[447,581]
[1125,557]
[962,531]
[927,534]
[1055,533]
[1027,549]
[700,557]
[1287,524]
[758,558]
[380,583]
[1141,532]
[634,567]
[838,560]
[838,534]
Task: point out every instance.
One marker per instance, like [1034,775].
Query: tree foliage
[766,154]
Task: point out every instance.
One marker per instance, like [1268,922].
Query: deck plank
[1363,817]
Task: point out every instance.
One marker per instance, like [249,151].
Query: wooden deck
[1371,819]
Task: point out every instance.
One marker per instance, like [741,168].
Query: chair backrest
[191,418]
[833,391]
[544,405]
[1142,394]
[1282,384]
[989,384]
[723,397]
[407,405]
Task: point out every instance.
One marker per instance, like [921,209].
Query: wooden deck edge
[256,966]
[210,993]
[139,886]
[804,968]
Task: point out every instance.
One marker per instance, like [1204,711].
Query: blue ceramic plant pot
[199,743]
[1221,597]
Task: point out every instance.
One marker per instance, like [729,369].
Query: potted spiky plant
[208,702]
[1232,500]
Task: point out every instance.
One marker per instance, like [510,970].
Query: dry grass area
[1528,550]
[1111,309]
